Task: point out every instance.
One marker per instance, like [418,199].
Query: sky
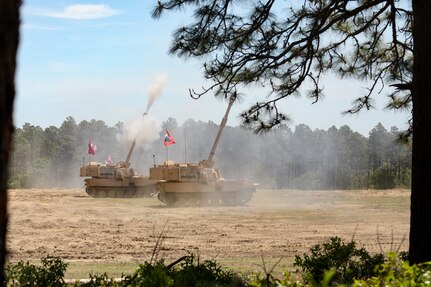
[100,60]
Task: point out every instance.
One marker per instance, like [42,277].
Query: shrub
[269,281]
[99,280]
[396,272]
[191,272]
[331,264]
[49,273]
[347,262]
[150,275]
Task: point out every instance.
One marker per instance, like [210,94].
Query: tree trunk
[9,38]
[420,205]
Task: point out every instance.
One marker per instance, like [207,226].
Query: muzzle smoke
[155,90]
[145,129]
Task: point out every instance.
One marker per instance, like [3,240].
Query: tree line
[285,157]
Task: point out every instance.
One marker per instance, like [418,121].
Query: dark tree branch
[284,53]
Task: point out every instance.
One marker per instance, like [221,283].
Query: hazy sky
[100,60]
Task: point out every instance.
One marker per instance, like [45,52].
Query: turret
[182,184]
[209,163]
[126,163]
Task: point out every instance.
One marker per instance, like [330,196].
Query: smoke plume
[144,130]
[155,90]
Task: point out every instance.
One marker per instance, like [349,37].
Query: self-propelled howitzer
[116,180]
[189,184]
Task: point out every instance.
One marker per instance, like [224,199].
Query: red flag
[168,139]
[92,148]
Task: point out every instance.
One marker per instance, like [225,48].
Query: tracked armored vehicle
[116,180]
[193,184]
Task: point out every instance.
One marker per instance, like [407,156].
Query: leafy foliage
[395,272]
[269,281]
[151,275]
[192,272]
[333,264]
[98,280]
[346,260]
[49,273]
[283,47]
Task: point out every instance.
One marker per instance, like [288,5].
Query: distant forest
[296,158]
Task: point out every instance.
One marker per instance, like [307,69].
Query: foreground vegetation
[334,263]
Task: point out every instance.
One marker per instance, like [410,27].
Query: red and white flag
[92,148]
[168,139]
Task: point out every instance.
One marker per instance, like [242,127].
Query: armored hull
[115,181]
[189,184]
[231,192]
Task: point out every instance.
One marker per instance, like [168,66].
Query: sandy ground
[76,227]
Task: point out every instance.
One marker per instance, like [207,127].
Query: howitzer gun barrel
[129,155]
[209,162]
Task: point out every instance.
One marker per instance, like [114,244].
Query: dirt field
[275,224]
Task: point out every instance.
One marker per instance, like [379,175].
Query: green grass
[379,202]
[256,265]
[81,270]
